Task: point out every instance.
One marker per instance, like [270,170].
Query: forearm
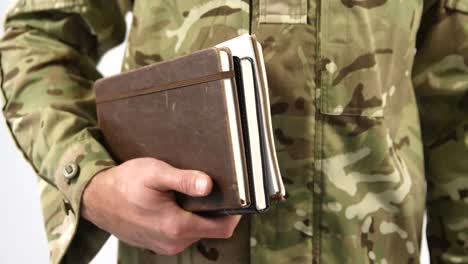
[48,65]
[441,81]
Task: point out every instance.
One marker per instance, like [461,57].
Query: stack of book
[206,111]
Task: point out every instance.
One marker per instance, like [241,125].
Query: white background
[22,237]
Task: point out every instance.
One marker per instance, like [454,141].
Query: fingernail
[200,185]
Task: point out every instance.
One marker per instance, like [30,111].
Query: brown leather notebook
[187,112]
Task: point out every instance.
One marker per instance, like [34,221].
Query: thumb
[193,183]
[190,182]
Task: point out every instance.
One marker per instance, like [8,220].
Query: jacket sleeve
[48,64]
[441,84]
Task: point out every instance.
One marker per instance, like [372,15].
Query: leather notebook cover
[174,111]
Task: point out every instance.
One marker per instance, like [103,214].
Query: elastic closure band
[166,86]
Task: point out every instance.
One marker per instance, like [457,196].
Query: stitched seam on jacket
[317,173]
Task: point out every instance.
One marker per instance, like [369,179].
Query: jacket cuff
[72,166]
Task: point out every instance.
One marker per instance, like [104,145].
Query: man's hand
[135,202]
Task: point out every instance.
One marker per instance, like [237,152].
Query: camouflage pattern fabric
[369,105]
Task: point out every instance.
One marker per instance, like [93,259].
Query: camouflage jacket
[369,100]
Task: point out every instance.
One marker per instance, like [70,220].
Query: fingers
[185,228]
[172,249]
[224,227]
[195,226]
[220,227]
[164,177]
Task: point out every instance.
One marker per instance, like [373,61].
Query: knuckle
[143,162]
[172,250]
[175,232]
[147,168]
[163,251]
[173,229]
[153,165]
[187,182]
[166,226]
[227,232]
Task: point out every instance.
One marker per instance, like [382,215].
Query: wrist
[91,195]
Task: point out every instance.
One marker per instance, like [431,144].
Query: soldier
[350,82]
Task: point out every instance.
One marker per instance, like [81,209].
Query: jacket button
[70,170]
[331,67]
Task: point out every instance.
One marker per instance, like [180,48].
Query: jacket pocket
[353,83]
[361,46]
[282,11]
